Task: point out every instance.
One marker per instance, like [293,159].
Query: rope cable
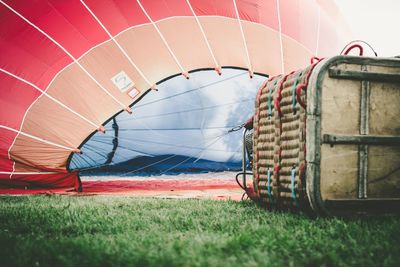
[200,153]
[187,110]
[188,91]
[152,164]
[359,41]
[172,145]
[104,165]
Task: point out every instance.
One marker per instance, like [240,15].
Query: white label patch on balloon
[134,92]
[122,81]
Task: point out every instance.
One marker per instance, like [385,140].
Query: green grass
[121,231]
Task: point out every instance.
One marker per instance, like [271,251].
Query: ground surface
[125,231]
[212,185]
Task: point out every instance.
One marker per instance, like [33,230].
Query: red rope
[313,59]
[249,123]
[352,47]
[277,168]
[279,97]
[303,86]
[299,88]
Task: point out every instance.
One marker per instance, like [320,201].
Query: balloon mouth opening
[108,160]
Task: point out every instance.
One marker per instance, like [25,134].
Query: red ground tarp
[214,189]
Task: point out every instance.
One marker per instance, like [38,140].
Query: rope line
[292,178]
[197,155]
[359,41]
[95,151]
[179,129]
[152,164]
[83,159]
[269,186]
[161,134]
[149,165]
[123,147]
[147,141]
[39,139]
[213,140]
[243,39]
[188,91]
[51,98]
[185,73]
[217,67]
[318,31]
[270,98]
[171,145]
[188,110]
[66,52]
[118,45]
[294,92]
[174,139]
[280,35]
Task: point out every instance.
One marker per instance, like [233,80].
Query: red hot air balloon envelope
[67,68]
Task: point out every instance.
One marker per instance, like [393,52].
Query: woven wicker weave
[339,179]
[279,142]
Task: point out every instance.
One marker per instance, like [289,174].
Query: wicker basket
[327,138]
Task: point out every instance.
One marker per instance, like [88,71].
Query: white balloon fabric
[185,123]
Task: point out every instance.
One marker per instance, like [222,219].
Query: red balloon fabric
[67,67]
